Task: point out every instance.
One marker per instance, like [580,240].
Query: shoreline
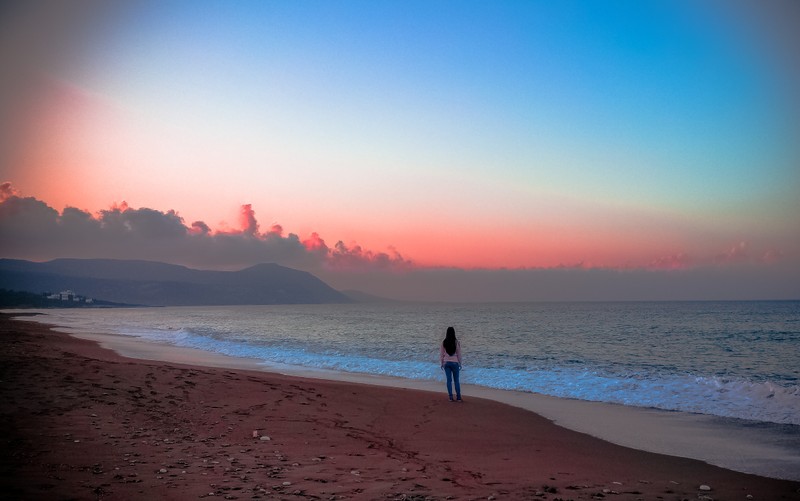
[742,446]
[83,421]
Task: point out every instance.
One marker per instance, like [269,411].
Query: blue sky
[657,93]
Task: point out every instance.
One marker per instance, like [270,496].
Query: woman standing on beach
[450,360]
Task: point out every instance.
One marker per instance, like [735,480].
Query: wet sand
[81,422]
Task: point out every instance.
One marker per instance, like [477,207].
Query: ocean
[737,363]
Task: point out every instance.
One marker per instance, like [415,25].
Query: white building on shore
[68,295]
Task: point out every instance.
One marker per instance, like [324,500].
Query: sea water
[732,360]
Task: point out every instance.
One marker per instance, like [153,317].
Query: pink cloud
[736,253]
[247,219]
[315,243]
[343,257]
[352,257]
[7,191]
[672,262]
[119,207]
[200,228]
[580,265]
[772,256]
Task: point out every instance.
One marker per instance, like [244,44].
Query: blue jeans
[451,370]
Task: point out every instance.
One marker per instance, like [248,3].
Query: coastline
[83,421]
[749,447]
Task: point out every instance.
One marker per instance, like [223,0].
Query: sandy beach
[82,422]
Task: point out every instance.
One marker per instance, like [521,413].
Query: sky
[434,150]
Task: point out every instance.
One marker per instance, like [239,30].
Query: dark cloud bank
[30,229]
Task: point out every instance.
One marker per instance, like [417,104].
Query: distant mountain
[160,284]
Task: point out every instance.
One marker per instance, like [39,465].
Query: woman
[450,359]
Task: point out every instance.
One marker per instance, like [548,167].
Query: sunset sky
[498,141]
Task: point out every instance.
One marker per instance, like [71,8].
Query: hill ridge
[155,283]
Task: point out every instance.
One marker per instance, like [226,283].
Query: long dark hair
[449,342]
